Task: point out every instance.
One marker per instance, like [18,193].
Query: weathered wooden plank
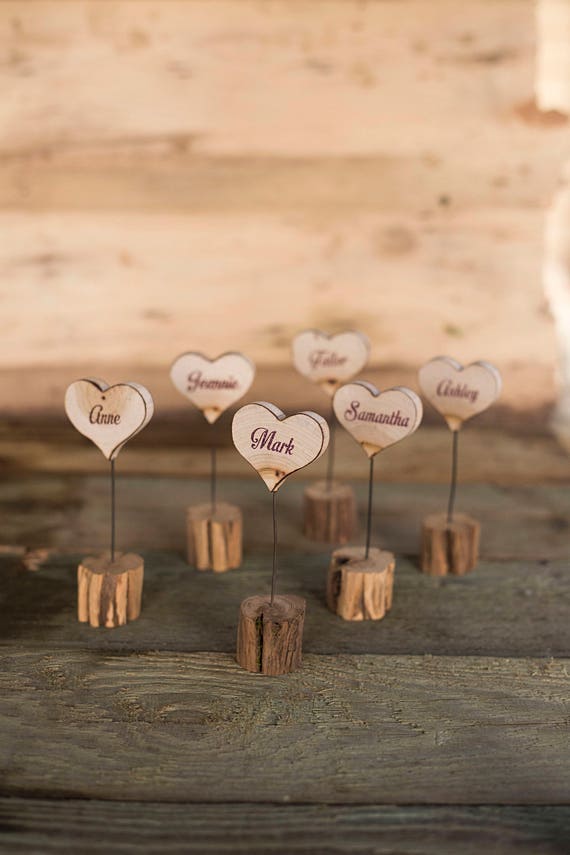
[32,400]
[44,826]
[186,279]
[72,513]
[513,609]
[356,79]
[154,176]
[345,729]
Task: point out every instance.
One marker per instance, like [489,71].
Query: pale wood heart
[276,445]
[459,393]
[377,419]
[212,385]
[330,360]
[108,415]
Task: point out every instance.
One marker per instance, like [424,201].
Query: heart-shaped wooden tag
[276,445]
[330,360]
[108,415]
[377,419]
[459,393]
[212,385]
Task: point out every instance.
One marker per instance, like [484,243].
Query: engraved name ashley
[447,389]
[98,417]
[325,359]
[354,413]
[263,438]
[195,382]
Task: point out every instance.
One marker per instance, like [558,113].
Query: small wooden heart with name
[459,393]
[330,360]
[212,385]
[276,445]
[377,419]
[108,415]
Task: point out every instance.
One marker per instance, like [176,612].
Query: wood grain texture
[449,547]
[262,829]
[109,593]
[281,180]
[457,391]
[270,634]
[214,536]
[50,826]
[178,604]
[329,512]
[212,385]
[442,729]
[360,588]
[275,445]
[70,513]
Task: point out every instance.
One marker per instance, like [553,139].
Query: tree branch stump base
[449,548]
[214,536]
[270,637]
[359,588]
[109,592]
[329,512]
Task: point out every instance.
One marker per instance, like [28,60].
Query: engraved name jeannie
[446,389]
[354,413]
[263,438]
[195,382]
[98,417]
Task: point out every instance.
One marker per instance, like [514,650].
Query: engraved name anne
[98,417]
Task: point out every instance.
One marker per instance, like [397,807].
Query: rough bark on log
[360,588]
[214,536]
[270,636]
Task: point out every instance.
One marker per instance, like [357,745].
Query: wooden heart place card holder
[361,578]
[214,528]
[329,507]
[270,629]
[109,586]
[450,541]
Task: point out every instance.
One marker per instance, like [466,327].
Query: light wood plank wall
[217,175]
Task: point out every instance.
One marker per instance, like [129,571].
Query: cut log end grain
[449,547]
[109,592]
[360,588]
[329,512]
[214,536]
[270,635]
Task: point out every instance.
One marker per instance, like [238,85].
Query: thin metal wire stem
[112,511]
[453,484]
[331,450]
[213,479]
[274,572]
[369,515]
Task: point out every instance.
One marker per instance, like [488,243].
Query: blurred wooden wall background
[195,174]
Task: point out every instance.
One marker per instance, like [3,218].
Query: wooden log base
[329,513]
[452,548]
[270,637]
[214,537]
[359,588]
[109,592]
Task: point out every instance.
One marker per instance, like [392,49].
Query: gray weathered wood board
[170,726]
[49,826]
[401,731]
[72,513]
[509,609]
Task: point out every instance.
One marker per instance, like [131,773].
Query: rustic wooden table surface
[441,729]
